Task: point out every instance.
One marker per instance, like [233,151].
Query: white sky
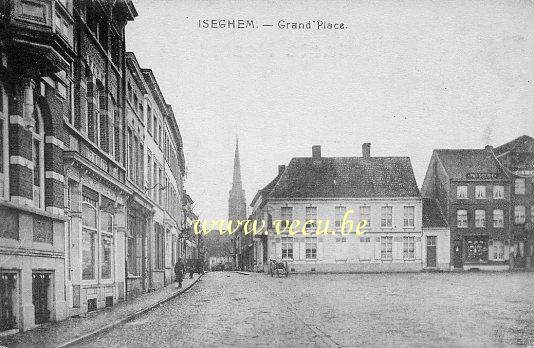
[407,76]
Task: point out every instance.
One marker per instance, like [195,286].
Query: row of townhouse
[475,210]
[91,164]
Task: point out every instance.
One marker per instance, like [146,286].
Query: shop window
[106,238]
[89,237]
[477,249]
[497,250]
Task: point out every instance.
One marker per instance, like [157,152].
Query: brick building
[81,224]
[473,192]
[36,55]
[517,158]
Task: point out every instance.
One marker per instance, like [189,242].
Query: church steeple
[237,206]
[236,183]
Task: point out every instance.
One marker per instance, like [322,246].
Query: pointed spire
[236,183]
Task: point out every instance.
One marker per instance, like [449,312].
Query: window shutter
[377,248]
[418,245]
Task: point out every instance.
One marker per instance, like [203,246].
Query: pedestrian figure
[191,269]
[199,267]
[179,270]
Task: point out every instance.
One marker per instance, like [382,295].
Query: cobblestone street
[448,309]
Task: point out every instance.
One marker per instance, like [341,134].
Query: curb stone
[127,318]
[243,273]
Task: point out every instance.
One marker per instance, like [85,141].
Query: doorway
[458,252]
[431,251]
[40,294]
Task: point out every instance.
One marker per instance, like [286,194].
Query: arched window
[38,159]
[4,154]
[89,240]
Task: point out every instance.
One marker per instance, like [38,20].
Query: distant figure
[179,270]
[200,267]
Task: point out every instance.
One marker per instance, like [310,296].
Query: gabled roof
[264,191]
[346,177]
[152,83]
[432,216]
[460,162]
[524,143]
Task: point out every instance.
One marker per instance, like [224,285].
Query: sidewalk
[60,334]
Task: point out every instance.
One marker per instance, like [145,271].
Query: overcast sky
[407,76]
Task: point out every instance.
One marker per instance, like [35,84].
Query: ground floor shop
[32,269]
[481,251]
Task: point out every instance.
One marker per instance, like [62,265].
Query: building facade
[81,224]
[473,192]
[517,159]
[313,190]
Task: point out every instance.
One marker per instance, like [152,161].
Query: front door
[458,250]
[431,253]
[8,282]
[41,282]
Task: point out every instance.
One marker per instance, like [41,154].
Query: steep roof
[459,162]
[432,216]
[346,177]
[266,189]
[524,143]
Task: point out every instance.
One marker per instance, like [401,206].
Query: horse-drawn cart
[279,268]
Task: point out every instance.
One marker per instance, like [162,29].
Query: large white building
[381,190]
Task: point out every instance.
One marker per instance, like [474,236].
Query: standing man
[179,270]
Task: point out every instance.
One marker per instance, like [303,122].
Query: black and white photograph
[266,173]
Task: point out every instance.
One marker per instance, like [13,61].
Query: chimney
[366,150]
[489,148]
[316,152]
[281,169]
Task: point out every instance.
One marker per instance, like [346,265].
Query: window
[365,214]
[477,249]
[311,248]
[155,177]
[480,218]
[532,214]
[4,143]
[519,214]
[159,135]
[365,250]
[161,186]
[409,216]
[160,246]
[498,218]
[149,118]
[287,247]
[136,226]
[38,159]
[129,91]
[339,213]
[286,215]
[130,154]
[461,218]
[519,186]
[106,240]
[386,217]
[386,248]
[408,248]
[89,236]
[497,250]
[498,192]
[480,192]
[148,173]
[461,192]
[155,135]
[311,218]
